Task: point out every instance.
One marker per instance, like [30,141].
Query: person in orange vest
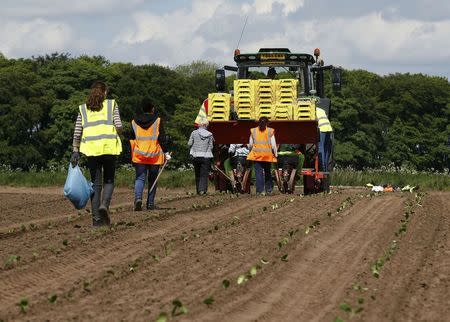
[148,152]
[263,151]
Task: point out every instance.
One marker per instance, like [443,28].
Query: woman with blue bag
[96,135]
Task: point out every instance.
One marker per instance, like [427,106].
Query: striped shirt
[78,132]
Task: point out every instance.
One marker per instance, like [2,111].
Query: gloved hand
[168,157]
[74,159]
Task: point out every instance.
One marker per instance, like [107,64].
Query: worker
[148,152]
[202,115]
[271,73]
[96,135]
[325,144]
[238,153]
[263,151]
[201,144]
[288,154]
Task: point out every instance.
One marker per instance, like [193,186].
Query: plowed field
[349,254]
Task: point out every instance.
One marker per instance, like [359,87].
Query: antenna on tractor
[242,32]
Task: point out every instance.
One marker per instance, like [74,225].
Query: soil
[297,258]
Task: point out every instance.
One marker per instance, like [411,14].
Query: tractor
[286,87]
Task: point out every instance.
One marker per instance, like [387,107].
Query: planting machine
[288,98]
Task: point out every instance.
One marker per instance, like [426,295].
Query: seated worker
[271,73]
[239,164]
[289,157]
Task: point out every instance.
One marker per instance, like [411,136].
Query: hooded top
[145,120]
[201,142]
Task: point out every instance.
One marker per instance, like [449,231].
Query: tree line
[400,119]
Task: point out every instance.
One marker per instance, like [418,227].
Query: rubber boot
[103,210]
[95,204]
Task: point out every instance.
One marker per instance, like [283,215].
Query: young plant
[209,301]
[23,304]
[178,308]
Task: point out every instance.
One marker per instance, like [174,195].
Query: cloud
[34,37]
[266,6]
[46,8]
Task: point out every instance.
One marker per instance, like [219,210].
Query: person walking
[201,143]
[263,151]
[325,143]
[96,135]
[148,152]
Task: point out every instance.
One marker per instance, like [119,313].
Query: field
[339,256]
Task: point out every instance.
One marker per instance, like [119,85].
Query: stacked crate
[265,98]
[219,106]
[244,98]
[305,109]
[286,97]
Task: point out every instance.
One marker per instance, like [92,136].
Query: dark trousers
[201,168]
[141,173]
[101,166]
[325,147]
[263,176]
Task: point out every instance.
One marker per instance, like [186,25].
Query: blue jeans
[325,147]
[139,183]
[263,176]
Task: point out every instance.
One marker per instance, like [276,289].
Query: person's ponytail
[96,97]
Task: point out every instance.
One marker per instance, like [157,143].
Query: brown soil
[312,254]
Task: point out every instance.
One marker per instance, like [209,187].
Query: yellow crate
[244,98]
[305,109]
[283,112]
[286,91]
[264,110]
[219,106]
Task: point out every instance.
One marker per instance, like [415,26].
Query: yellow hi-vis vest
[145,149]
[324,123]
[99,133]
[262,147]
[202,115]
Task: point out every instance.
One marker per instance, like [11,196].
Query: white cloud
[266,6]
[34,37]
[46,8]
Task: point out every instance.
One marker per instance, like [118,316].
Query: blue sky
[380,36]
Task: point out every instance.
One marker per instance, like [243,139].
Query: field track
[312,257]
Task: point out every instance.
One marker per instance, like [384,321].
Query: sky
[380,36]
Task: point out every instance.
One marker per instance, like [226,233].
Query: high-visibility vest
[145,149]
[202,115]
[99,133]
[324,123]
[262,148]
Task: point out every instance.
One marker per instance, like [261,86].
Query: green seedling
[87,286]
[23,228]
[35,256]
[307,230]
[283,242]
[134,266]
[52,298]
[23,304]
[225,284]
[338,319]
[284,258]
[345,307]
[254,270]
[33,227]
[162,317]
[242,279]
[178,308]
[360,300]
[12,261]
[65,242]
[209,301]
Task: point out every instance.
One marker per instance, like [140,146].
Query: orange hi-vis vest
[262,148]
[145,149]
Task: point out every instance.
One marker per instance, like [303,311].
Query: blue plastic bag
[77,189]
